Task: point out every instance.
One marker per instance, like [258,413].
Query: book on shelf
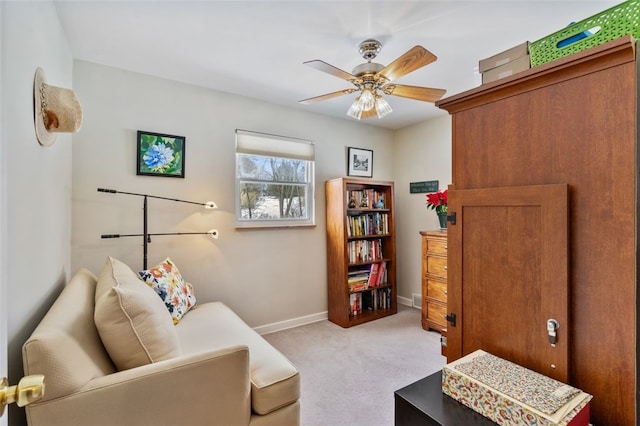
[358,275]
[357,286]
[373,275]
[362,279]
[382,274]
[361,251]
[370,300]
[384,298]
[362,225]
[358,279]
[355,303]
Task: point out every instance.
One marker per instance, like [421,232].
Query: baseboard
[290,323]
[405,301]
[308,319]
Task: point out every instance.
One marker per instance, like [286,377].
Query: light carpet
[348,376]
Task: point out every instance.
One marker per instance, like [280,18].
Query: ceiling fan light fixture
[382,107]
[355,110]
[366,100]
[372,80]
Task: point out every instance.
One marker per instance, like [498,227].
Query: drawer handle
[445,292]
[445,268]
[446,247]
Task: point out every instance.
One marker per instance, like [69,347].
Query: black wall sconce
[146,236]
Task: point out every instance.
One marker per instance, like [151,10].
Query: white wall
[266,276]
[36,210]
[422,152]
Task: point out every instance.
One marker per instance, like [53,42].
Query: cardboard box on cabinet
[505,64]
[506,70]
[511,395]
[504,57]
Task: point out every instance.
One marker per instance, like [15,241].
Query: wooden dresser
[434,280]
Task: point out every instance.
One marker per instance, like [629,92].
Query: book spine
[373,275]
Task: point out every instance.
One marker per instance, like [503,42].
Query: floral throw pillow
[175,292]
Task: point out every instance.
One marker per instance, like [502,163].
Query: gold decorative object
[28,390]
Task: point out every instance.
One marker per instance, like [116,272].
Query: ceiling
[257,48]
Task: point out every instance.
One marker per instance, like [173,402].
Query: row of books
[369,301]
[366,199]
[364,250]
[363,279]
[368,224]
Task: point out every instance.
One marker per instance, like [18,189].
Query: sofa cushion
[166,280]
[65,346]
[275,382]
[135,327]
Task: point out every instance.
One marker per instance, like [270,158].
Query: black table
[423,403]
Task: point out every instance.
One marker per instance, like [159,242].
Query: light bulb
[366,100]
[382,107]
[355,110]
[210,205]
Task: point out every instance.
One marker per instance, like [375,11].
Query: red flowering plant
[437,201]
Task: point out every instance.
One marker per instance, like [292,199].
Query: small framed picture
[360,162]
[160,155]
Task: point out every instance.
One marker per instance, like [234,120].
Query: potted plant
[438,201]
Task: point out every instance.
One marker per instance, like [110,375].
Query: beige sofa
[215,370]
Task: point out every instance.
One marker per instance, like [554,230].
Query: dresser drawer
[434,279]
[436,313]
[437,289]
[437,266]
[437,247]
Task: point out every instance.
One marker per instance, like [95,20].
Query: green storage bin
[615,22]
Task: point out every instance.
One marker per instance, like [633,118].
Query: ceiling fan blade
[327,96]
[330,69]
[426,94]
[414,58]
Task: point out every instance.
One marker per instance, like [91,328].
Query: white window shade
[273,146]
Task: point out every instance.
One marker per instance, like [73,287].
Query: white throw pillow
[133,323]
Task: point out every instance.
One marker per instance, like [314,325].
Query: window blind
[274,146]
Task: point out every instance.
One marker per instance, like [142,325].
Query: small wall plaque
[423,187]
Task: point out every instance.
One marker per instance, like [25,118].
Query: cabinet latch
[451,218]
[451,319]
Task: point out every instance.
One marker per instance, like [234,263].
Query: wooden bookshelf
[360,239]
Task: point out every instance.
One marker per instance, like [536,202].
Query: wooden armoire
[545,197]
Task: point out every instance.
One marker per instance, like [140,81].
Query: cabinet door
[508,274]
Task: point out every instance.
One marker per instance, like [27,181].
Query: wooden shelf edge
[367,316]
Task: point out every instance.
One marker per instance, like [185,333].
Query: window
[274,181]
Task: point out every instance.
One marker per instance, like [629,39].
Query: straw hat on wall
[56,110]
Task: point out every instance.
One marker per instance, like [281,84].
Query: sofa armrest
[211,388]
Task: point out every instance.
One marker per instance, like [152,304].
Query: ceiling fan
[371,79]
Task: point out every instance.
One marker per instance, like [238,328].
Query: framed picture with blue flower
[160,154]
